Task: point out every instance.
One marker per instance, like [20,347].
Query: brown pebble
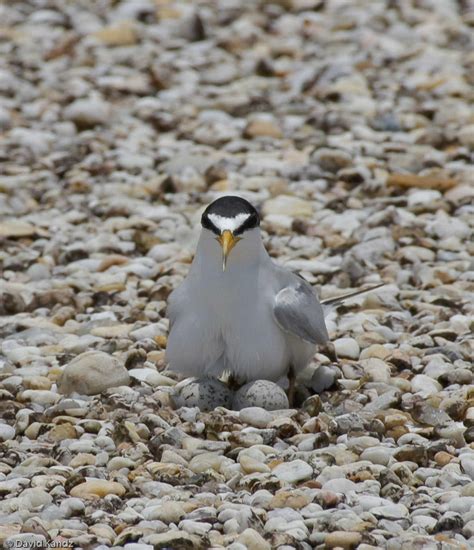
[442,458]
[343,539]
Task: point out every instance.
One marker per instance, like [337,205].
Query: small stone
[263,126]
[121,34]
[114,331]
[252,540]
[442,458]
[347,347]
[424,197]
[97,488]
[206,461]
[151,377]
[332,160]
[255,416]
[260,393]
[250,465]
[461,505]
[6,432]
[91,373]
[173,539]
[423,182]
[460,193]
[323,379]
[377,455]
[468,529]
[376,369]
[199,528]
[286,205]
[168,512]
[467,463]
[294,471]
[37,383]
[343,539]
[411,453]
[87,113]
[390,511]
[62,431]
[16,229]
[457,376]
[339,485]
[34,499]
[425,385]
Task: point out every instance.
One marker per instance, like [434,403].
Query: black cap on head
[230,212]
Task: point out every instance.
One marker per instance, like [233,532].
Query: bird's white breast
[224,320]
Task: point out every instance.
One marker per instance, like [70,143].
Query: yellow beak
[227,241]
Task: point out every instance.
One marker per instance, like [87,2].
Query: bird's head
[230,218]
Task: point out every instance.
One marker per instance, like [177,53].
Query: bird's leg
[291,386]
[329,350]
[232,383]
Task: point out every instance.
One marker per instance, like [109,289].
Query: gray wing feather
[297,310]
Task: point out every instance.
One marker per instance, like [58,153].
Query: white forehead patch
[231,224]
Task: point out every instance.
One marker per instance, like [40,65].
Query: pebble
[323,378]
[91,373]
[343,539]
[467,464]
[6,432]
[390,511]
[87,113]
[377,455]
[347,347]
[255,416]
[253,540]
[285,205]
[97,488]
[294,471]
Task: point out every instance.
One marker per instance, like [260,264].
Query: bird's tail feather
[339,299]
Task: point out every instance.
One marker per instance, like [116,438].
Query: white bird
[238,312]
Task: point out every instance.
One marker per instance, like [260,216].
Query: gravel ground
[351,125]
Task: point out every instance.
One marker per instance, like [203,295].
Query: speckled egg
[205,393]
[260,393]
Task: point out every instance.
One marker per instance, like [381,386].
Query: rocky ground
[351,125]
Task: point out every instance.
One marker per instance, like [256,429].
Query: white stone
[390,511]
[294,471]
[347,347]
[424,385]
[88,112]
[6,432]
[339,485]
[467,463]
[93,372]
[148,331]
[423,196]
[377,455]
[287,205]
[151,377]
[461,505]
[255,416]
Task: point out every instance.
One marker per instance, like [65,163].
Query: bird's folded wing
[298,311]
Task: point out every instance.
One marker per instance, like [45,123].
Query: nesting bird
[237,311]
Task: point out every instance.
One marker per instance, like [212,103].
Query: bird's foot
[291,387]
[233,383]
